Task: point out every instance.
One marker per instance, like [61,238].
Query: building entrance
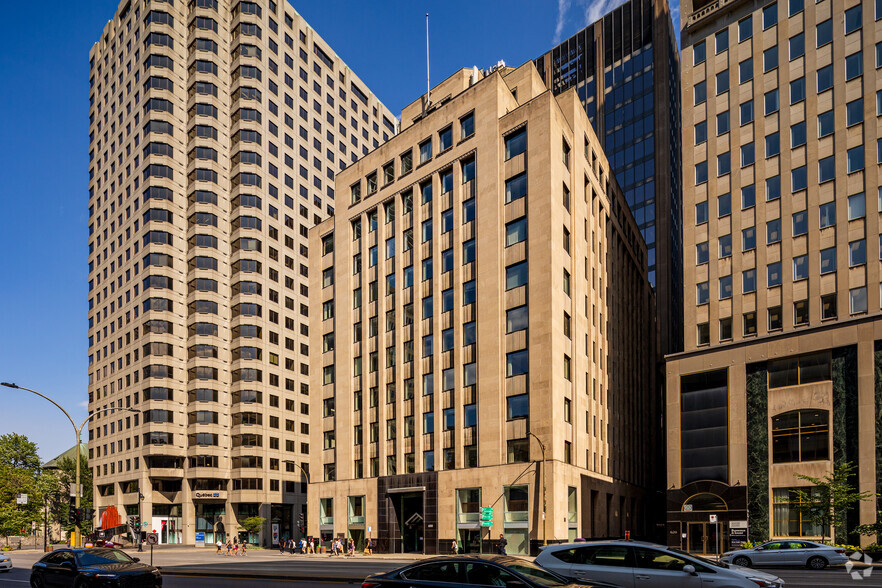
[702,538]
[409,509]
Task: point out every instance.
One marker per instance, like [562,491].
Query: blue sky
[44,49]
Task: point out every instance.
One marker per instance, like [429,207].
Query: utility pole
[544,479]
[140,521]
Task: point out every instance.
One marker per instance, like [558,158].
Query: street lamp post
[140,522]
[78,431]
[544,478]
[305,473]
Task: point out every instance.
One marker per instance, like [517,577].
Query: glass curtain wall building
[625,68]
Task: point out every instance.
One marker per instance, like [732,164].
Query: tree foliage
[67,475]
[19,453]
[252,524]
[871,528]
[833,496]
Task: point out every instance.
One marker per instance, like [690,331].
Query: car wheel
[36,582]
[741,561]
[817,563]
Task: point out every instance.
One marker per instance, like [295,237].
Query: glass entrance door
[701,538]
[409,510]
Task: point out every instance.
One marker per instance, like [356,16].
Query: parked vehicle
[635,564]
[92,567]
[815,556]
[5,563]
[474,570]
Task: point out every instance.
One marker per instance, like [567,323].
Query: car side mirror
[68,565]
[759,548]
[690,569]
[136,559]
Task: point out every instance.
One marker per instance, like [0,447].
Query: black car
[85,568]
[473,570]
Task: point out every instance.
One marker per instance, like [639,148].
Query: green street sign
[486,510]
[486,523]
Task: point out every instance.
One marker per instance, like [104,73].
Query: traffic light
[74,515]
[301,523]
[88,514]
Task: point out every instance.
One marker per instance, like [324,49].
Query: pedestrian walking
[229,546]
[244,548]
[369,547]
[282,545]
[454,548]
[500,545]
[236,547]
[351,547]
[311,546]
[220,545]
[302,546]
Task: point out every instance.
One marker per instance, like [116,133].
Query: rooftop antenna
[428,87]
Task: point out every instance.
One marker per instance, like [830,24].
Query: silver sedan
[815,556]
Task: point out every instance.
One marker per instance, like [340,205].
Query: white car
[5,563]
[799,552]
[635,564]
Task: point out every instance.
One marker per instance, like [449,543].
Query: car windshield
[701,559]
[537,574]
[97,557]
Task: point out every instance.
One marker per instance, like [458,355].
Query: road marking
[22,581]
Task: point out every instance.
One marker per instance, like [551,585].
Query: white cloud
[562,7]
[596,9]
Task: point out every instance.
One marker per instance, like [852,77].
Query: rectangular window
[516,363]
[826,169]
[516,143]
[857,300]
[828,306]
[770,101]
[854,66]
[701,213]
[824,32]
[797,135]
[770,16]
[856,206]
[797,90]
[798,179]
[748,239]
[776,318]
[724,205]
[748,197]
[699,53]
[773,274]
[825,78]
[701,172]
[722,82]
[826,124]
[773,145]
[853,19]
[721,41]
[796,46]
[516,231]
[773,188]
[857,253]
[723,123]
[855,159]
[770,58]
[725,287]
[748,281]
[702,293]
[800,267]
[746,111]
[700,92]
[516,275]
[773,231]
[745,28]
[724,164]
[800,223]
[745,70]
[516,187]
[748,155]
[701,132]
[704,420]
[828,260]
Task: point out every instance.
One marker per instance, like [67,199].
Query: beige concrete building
[486,331]
[216,130]
[782,276]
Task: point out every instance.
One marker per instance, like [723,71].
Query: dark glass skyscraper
[625,68]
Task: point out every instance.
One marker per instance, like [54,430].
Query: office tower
[781,370]
[626,70]
[216,131]
[485,333]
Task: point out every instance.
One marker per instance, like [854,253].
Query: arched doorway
[703,537]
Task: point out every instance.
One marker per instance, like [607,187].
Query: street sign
[152,538]
[713,518]
[486,516]
[21,498]
[200,539]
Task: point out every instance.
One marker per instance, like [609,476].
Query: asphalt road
[333,572]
